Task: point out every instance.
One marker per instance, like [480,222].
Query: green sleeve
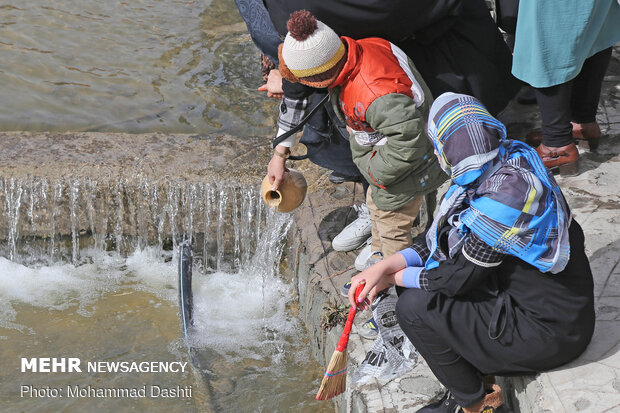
[396,117]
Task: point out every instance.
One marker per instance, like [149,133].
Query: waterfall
[43,222]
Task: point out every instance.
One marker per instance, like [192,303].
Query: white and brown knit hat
[312,53]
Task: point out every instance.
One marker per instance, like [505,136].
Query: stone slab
[192,157]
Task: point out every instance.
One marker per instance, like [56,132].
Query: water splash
[43,222]
[85,226]
[92,239]
[13,190]
[256,296]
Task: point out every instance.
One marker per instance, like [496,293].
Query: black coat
[455,44]
[511,318]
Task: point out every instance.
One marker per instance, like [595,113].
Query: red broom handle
[344,338]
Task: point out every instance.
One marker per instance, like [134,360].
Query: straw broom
[335,378]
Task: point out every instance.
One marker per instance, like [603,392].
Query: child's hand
[275,170]
[378,277]
[376,280]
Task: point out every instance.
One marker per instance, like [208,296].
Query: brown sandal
[565,158]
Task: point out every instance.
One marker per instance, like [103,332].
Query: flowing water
[88,265]
[112,296]
[129,66]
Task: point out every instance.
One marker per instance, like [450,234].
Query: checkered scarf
[501,190]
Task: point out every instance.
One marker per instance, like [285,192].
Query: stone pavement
[589,384]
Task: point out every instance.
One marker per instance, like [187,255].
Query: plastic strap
[277,140]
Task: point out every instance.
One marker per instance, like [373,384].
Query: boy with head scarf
[500,283]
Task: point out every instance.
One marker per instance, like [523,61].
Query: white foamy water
[56,287]
[235,312]
[112,307]
[243,308]
[62,286]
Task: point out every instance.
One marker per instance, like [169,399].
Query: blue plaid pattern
[501,190]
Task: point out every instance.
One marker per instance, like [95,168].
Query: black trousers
[575,100]
[454,340]
[520,322]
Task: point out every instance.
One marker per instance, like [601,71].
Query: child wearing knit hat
[377,90]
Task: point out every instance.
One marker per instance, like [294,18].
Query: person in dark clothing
[455,44]
[506,18]
[500,283]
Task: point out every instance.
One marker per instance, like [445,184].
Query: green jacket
[404,167]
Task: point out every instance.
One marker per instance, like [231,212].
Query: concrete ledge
[57,189]
[193,157]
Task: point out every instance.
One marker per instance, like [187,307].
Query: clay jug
[290,193]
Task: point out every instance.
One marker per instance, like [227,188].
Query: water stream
[87,262]
[225,220]
[106,290]
[143,66]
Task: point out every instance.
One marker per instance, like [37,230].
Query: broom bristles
[335,378]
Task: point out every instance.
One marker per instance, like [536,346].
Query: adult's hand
[273,87]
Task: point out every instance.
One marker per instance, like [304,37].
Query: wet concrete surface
[201,158]
[72,183]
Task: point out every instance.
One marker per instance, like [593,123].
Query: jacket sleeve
[262,31]
[455,276]
[290,114]
[396,117]
[470,268]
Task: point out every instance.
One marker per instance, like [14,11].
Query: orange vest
[371,71]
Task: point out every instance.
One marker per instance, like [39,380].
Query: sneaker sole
[349,247]
[360,268]
[367,335]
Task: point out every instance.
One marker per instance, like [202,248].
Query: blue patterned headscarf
[501,190]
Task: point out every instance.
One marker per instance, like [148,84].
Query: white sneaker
[367,257]
[356,233]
